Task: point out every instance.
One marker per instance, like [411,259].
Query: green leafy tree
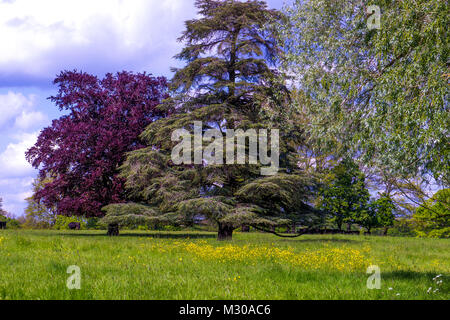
[368,219]
[345,195]
[433,218]
[37,215]
[385,209]
[229,82]
[382,93]
[380,213]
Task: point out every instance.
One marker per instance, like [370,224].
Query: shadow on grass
[166,235]
[315,240]
[408,275]
[194,235]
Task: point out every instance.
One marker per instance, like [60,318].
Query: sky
[41,38]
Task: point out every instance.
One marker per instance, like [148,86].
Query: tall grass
[194,265]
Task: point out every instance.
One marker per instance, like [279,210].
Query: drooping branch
[304,231]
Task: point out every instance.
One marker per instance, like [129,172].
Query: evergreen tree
[229,82]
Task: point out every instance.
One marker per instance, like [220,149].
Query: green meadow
[194,265]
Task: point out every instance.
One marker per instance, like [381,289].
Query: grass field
[177,265]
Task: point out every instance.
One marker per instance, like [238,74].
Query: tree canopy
[433,219]
[344,194]
[381,95]
[82,150]
[229,82]
[37,215]
[273,113]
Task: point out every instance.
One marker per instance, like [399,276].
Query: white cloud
[14,191]
[17,110]
[12,160]
[12,104]
[31,119]
[16,174]
[40,38]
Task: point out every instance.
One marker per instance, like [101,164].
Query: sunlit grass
[180,265]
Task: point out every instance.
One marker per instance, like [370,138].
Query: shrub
[403,227]
[93,224]
[62,222]
[10,223]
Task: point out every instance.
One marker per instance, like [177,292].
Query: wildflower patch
[342,259]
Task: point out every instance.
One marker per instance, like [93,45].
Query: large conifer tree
[229,82]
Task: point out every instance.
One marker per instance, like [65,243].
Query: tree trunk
[349,226]
[225,231]
[113,229]
[292,228]
[385,231]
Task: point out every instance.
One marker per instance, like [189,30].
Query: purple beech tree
[82,150]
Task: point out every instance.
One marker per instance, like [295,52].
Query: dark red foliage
[83,149]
